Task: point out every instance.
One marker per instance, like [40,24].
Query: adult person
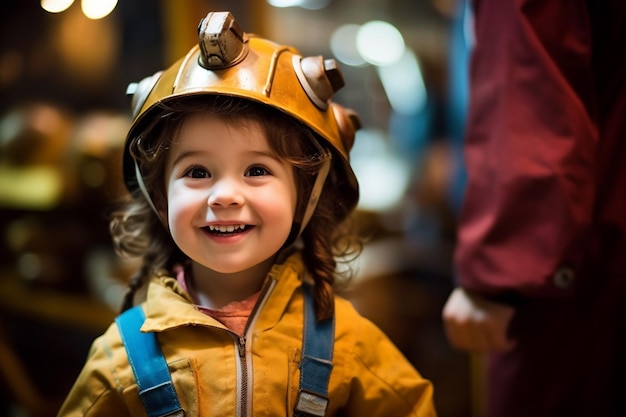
[541,255]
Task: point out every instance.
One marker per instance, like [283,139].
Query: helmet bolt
[334,75]
[322,79]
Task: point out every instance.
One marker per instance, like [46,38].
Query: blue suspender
[146,359]
[316,362]
[155,384]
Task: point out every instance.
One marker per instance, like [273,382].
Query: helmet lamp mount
[221,40]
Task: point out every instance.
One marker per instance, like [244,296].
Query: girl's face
[231,201]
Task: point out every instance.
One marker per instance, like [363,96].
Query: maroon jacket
[543,225]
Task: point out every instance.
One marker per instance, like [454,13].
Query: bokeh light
[97,9]
[380,43]
[56,6]
[343,45]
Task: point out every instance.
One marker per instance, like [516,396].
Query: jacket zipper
[244,385]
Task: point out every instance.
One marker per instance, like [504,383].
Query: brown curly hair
[138,231]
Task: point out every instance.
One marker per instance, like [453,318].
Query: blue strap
[149,366]
[316,363]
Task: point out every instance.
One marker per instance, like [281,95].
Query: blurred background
[64,69]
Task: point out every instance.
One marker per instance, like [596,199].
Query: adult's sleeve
[530,147]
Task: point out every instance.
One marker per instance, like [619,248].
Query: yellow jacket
[218,373]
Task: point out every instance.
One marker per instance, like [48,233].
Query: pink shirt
[233,315]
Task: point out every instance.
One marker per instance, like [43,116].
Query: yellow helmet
[228,61]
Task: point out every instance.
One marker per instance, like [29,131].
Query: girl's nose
[225,193]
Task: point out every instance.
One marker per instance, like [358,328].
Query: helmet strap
[144,190]
[314,197]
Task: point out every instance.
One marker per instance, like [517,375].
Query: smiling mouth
[227,230]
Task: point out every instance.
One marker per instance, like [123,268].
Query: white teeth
[226,228]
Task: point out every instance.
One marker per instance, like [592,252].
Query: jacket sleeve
[383,382]
[530,148]
[94,393]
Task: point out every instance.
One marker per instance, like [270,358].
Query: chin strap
[316,191]
[143,189]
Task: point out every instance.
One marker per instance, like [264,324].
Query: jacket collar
[169,306]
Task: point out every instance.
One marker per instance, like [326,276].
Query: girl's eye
[197,172]
[257,171]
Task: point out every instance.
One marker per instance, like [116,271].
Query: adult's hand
[476,324]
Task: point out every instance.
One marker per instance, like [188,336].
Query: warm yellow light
[56,6]
[97,9]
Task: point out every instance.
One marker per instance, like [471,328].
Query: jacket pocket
[184,380]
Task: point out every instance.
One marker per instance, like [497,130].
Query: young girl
[240,186]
